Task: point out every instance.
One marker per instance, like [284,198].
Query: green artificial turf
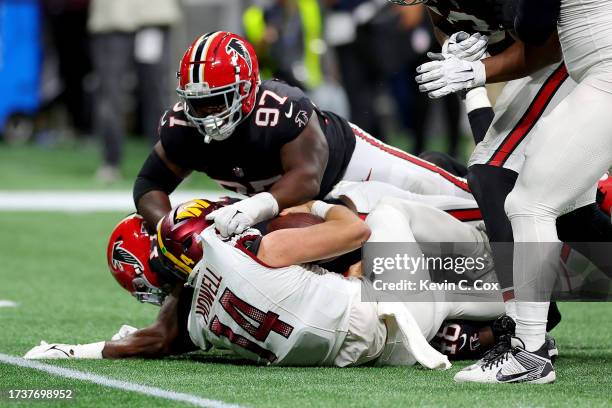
[72,166]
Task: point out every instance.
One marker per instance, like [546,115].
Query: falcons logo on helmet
[123,256]
[236,49]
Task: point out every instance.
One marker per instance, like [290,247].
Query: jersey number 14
[267,322]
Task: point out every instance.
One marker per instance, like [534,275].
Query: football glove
[463,46]
[451,75]
[64,351]
[235,218]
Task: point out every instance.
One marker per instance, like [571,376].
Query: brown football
[294,220]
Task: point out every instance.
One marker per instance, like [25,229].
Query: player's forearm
[163,338]
[341,232]
[296,187]
[153,206]
[345,232]
[146,343]
[520,60]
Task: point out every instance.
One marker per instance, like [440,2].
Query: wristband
[90,351]
[476,98]
[320,208]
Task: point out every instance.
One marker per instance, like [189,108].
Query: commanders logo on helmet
[178,235]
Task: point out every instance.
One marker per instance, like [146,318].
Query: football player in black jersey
[264,139]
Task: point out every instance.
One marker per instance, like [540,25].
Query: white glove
[463,46]
[235,218]
[123,332]
[451,75]
[57,351]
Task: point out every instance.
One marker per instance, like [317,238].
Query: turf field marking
[85,201]
[112,383]
[7,303]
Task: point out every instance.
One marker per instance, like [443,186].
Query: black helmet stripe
[197,58]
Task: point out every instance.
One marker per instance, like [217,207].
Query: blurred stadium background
[65,182]
[94,75]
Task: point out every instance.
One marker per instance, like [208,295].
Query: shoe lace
[498,354]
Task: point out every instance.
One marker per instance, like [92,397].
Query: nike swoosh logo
[464,337]
[512,377]
[290,113]
[55,348]
[163,119]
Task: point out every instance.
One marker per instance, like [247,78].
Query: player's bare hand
[354,271]
[302,208]
[124,332]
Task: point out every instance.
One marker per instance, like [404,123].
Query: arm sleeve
[536,21]
[480,120]
[154,175]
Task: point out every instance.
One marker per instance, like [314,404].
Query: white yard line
[88,201]
[112,383]
[7,303]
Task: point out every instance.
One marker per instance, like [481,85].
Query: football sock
[510,306]
[531,323]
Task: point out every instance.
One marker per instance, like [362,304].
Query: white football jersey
[282,316]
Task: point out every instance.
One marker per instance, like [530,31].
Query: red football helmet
[218,79]
[178,235]
[604,193]
[130,255]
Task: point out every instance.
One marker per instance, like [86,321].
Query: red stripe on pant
[467,214]
[412,159]
[530,117]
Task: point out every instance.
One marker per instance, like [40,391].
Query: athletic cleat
[551,346]
[505,326]
[512,366]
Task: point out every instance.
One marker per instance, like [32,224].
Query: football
[294,220]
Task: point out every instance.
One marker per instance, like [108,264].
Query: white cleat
[511,364]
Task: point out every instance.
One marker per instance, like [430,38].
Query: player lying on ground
[265,139]
[299,314]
